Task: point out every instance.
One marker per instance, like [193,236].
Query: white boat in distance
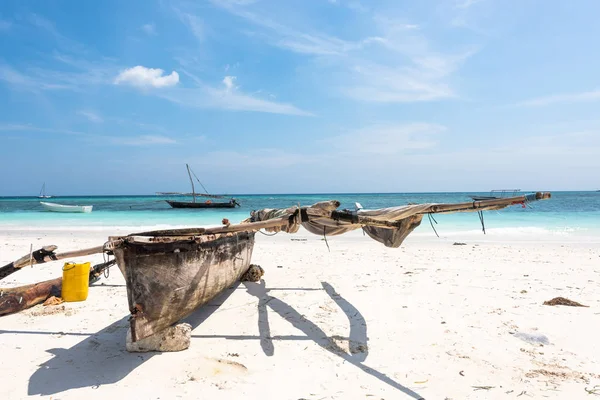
[66,208]
[43,194]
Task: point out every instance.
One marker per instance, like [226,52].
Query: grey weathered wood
[17,299]
[167,281]
[29,260]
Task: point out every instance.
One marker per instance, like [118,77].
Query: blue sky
[271,96]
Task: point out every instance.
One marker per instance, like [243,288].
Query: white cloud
[92,116]
[147,77]
[593,95]
[228,82]
[149,29]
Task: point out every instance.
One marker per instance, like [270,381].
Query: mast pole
[192,182]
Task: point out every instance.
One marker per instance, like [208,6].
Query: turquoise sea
[567,213]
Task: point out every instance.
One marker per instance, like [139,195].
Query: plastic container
[75,282]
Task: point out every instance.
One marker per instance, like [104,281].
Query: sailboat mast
[192,182]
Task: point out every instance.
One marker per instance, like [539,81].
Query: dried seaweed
[562,301]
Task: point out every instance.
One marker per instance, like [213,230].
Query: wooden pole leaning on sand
[44,255]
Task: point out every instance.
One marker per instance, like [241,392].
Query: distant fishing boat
[55,207]
[43,194]
[498,194]
[231,203]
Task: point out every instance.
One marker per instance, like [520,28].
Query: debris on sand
[459,244]
[562,301]
[53,301]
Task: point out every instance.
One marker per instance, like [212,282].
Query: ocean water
[567,213]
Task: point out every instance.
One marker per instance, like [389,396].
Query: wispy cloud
[90,115]
[143,77]
[83,68]
[43,23]
[388,139]
[467,3]
[234,2]
[5,25]
[136,140]
[227,98]
[149,29]
[593,95]
[34,80]
[194,23]
[143,140]
[394,62]
[33,128]
[65,43]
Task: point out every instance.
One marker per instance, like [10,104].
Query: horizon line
[289,194]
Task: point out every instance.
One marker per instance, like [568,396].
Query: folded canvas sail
[389,226]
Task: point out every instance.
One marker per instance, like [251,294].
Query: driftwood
[44,255]
[13,300]
[21,298]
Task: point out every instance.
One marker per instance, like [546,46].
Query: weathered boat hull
[185,204]
[167,280]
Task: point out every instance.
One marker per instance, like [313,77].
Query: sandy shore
[429,320]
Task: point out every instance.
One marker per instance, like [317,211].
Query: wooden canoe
[168,278]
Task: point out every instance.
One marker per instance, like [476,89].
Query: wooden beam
[44,255]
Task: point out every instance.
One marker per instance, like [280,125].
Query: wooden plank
[17,299]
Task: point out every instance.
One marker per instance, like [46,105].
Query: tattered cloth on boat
[323,219]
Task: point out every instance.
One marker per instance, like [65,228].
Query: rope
[480,213]
[107,261]
[325,237]
[269,234]
[430,221]
[193,173]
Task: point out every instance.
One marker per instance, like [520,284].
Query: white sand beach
[429,320]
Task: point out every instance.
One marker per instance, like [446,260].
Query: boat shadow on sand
[357,350]
[101,358]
